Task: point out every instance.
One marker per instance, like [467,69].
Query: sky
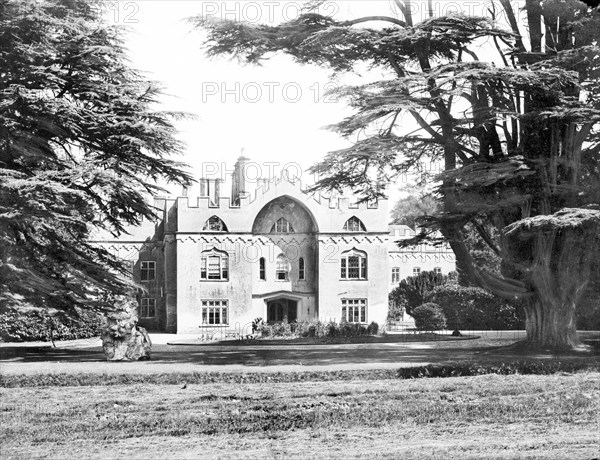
[275,112]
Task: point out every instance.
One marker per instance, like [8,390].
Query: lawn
[487,416]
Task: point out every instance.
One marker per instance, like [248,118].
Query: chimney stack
[238,179]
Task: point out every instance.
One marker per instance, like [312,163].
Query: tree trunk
[553,254]
[550,324]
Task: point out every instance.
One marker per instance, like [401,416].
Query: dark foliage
[37,325]
[81,150]
[429,317]
[472,308]
[411,291]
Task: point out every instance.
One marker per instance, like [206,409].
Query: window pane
[214,268]
[224,316]
[353,269]
[203,268]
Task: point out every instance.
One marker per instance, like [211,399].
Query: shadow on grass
[319,354]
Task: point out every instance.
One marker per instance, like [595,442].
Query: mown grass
[459,369]
[484,416]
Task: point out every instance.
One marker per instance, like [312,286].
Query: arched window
[262,268]
[301,268]
[282,268]
[353,265]
[282,226]
[214,224]
[354,224]
[214,265]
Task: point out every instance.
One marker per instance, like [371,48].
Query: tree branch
[353,22]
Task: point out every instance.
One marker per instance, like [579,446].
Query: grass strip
[458,369]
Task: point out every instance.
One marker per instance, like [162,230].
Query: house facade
[276,253]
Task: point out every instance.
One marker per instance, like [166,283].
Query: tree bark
[550,324]
[553,255]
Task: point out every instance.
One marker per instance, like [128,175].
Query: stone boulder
[123,339]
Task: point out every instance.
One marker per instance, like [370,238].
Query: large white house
[275,253]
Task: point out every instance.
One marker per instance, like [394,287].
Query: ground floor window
[354,310]
[416,271]
[214,312]
[147,307]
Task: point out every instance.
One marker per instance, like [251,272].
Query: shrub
[315,328]
[352,330]
[38,325]
[396,309]
[332,330]
[429,317]
[276,330]
[373,328]
[257,325]
[411,291]
[473,308]
[309,328]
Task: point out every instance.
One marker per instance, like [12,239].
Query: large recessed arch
[291,209]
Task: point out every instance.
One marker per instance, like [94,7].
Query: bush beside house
[429,317]
[472,308]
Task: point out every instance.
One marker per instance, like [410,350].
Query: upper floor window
[128,267]
[396,275]
[416,271]
[354,310]
[262,268]
[215,224]
[353,265]
[282,226]
[282,268]
[147,270]
[301,272]
[214,311]
[354,224]
[214,265]
[147,307]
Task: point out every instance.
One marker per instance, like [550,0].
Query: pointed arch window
[354,224]
[214,224]
[282,268]
[282,226]
[214,265]
[301,271]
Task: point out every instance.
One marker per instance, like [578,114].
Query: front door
[282,310]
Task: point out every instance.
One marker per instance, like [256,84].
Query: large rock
[123,339]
